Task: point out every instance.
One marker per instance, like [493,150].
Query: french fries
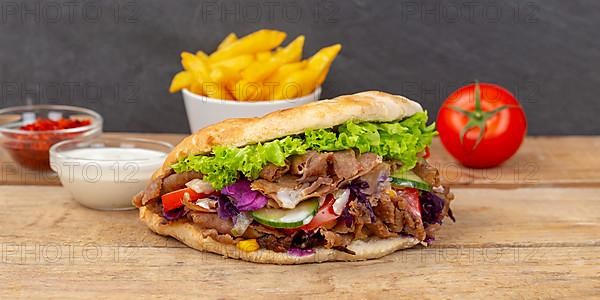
[180,81]
[262,40]
[254,68]
[228,40]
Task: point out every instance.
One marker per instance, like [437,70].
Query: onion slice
[200,186]
[202,205]
[242,221]
[341,199]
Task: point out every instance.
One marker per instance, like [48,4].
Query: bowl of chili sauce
[28,132]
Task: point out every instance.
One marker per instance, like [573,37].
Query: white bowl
[105,173]
[203,111]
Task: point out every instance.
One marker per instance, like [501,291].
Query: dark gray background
[117,57]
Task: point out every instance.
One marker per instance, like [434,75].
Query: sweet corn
[248,245]
[391,193]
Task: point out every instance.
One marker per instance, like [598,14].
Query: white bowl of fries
[203,111]
[249,77]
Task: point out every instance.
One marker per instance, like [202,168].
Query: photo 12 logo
[66,252]
[470,12]
[436,92]
[270,11]
[67,11]
[68,92]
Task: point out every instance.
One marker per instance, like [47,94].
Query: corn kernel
[248,245]
[391,193]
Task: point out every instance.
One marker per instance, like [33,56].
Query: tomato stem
[478,117]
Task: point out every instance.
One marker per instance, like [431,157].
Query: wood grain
[512,239]
[525,242]
[541,161]
[545,272]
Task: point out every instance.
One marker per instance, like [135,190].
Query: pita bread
[365,106]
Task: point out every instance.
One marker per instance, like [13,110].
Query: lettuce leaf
[400,140]
[221,169]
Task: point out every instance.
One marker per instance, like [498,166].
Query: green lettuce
[400,140]
[221,168]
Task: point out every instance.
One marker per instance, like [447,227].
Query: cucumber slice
[287,218]
[409,179]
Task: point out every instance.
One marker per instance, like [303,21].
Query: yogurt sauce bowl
[105,173]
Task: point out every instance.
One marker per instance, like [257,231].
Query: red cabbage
[226,209]
[356,188]
[346,217]
[300,252]
[243,197]
[174,214]
[431,208]
[429,240]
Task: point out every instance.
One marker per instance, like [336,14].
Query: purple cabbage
[346,217]
[225,208]
[300,252]
[356,188]
[429,240]
[243,197]
[431,208]
[174,214]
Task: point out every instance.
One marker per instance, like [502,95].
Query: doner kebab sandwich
[343,179]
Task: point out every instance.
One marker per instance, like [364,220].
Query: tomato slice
[412,196]
[173,199]
[323,216]
[427,154]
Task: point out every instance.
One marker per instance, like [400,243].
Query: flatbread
[192,236]
[370,106]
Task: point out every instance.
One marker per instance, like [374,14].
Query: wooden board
[541,161]
[512,239]
[522,242]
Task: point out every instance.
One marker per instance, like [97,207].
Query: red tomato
[412,196]
[173,199]
[481,130]
[323,216]
[427,153]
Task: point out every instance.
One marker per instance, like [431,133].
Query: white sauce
[106,178]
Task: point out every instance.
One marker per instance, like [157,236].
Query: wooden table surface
[529,229]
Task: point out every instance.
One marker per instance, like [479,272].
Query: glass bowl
[105,173]
[30,148]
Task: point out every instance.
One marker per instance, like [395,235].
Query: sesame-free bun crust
[192,236]
[372,106]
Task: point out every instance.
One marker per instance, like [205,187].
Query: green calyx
[478,117]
